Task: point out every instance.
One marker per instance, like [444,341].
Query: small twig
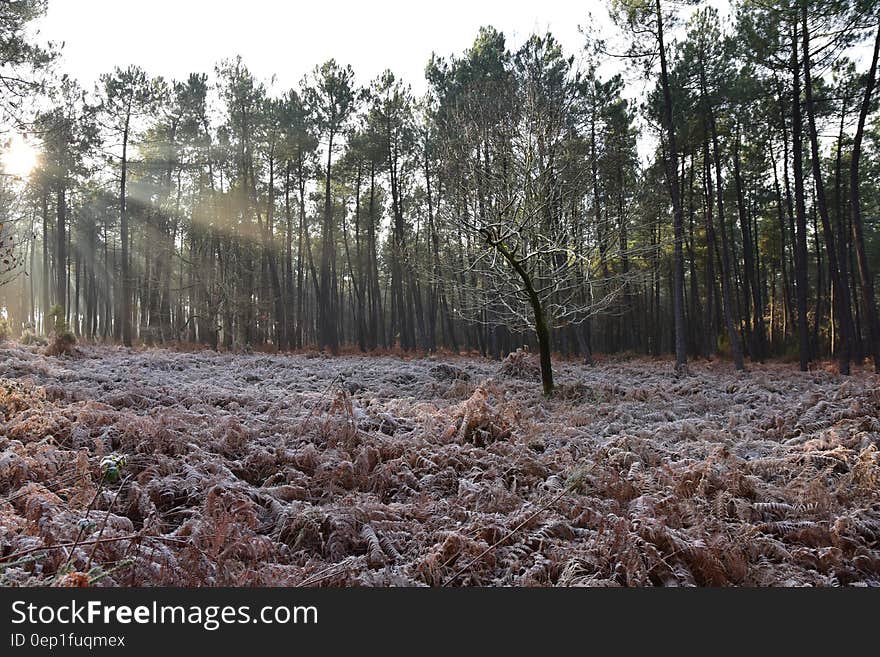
[137,554]
[507,535]
[106,518]
[308,417]
[172,539]
[57,481]
[81,528]
[567,489]
[63,546]
[20,562]
[124,563]
[324,574]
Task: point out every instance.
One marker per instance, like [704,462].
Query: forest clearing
[154,467]
[510,294]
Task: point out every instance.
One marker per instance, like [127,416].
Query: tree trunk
[800,249]
[840,286]
[678,219]
[867,282]
[750,279]
[125,310]
[542,331]
[727,298]
[327,335]
[61,250]
[46,275]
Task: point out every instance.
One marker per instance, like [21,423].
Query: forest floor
[154,467]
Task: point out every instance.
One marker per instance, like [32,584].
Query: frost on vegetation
[521,365]
[151,467]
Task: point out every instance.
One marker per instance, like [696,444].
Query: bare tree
[534,266]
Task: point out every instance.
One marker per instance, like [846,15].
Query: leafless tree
[535,263]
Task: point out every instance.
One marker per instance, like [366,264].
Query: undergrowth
[147,467]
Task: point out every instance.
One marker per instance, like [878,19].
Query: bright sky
[175,37]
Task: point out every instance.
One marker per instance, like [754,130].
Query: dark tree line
[507,206]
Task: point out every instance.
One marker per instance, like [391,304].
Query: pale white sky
[175,37]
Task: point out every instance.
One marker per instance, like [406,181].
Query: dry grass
[150,467]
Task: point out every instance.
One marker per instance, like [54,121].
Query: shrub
[521,365]
[62,338]
[28,337]
[5,331]
[62,343]
[55,319]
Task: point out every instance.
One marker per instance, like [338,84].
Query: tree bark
[61,250]
[840,286]
[678,218]
[125,310]
[727,297]
[800,250]
[865,277]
